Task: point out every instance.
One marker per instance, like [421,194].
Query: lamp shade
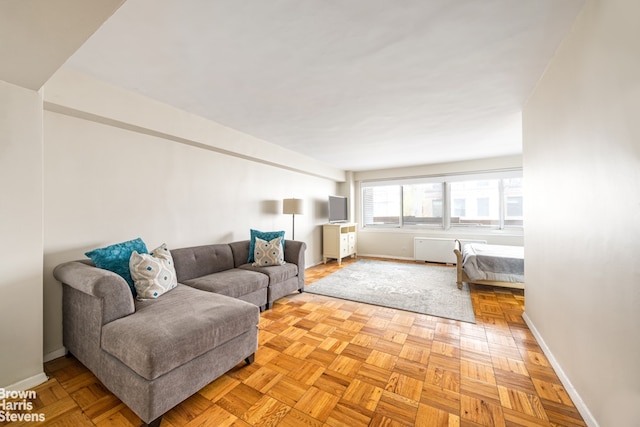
[292,206]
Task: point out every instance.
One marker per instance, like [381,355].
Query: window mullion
[446,215]
[501,208]
[401,220]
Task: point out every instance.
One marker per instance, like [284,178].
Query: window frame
[445,180]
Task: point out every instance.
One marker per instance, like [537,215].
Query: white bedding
[493,262]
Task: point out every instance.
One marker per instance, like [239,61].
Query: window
[482,204]
[514,206]
[381,205]
[482,200]
[476,203]
[422,204]
[459,208]
[436,206]
[514,209]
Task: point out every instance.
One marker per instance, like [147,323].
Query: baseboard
[40,378]
[312,265]
[54,355]
[573,393]
[401,258]
[28,383]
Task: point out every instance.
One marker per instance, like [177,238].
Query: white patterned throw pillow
[268,253]
[153,274]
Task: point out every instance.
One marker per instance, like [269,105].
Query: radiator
[433,249]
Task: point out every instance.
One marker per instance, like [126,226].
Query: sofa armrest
[111,288]
[294,253]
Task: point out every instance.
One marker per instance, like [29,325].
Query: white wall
[21,236]
[582,173]
[107,181]
[396,243]
[37,38]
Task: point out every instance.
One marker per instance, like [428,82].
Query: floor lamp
[292,207]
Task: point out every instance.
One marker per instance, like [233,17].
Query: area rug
[419,288]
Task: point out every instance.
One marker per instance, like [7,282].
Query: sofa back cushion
[199,261]
[240,251]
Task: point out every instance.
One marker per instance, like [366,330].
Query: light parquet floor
[325,362]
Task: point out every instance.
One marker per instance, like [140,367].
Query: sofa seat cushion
[168,332]
[276,273]
[232,283]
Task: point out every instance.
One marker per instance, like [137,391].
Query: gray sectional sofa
[152,354]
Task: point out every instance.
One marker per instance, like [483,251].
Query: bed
[494,265]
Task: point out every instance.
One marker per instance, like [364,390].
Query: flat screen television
[338,209]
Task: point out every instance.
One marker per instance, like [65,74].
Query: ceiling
[356,84]
[38,36]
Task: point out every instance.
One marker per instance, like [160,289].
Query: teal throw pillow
[116,258]
[264,235]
